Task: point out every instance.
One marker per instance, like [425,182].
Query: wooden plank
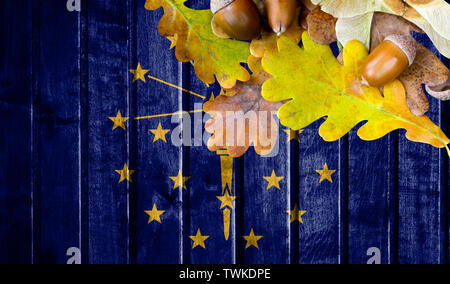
[16,86]
[156,161]
[132,148]
[56,134]
[206,169]
[420,196]
[319,236]
[108,152]
[372,173]
[265,206]
[206,172]
[419,202]
[201,206]
[84,135]
[397,204]
[204,212]
[445,180]
[323,194]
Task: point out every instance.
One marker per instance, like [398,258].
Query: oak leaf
[195,42]
[243,119]
[268,41]
[318,86]
[321,26]
[326,29]
[244,100]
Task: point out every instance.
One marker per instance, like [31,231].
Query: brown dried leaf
[427,68]
[321,26]
[243,119]
[384,25]
[246,98]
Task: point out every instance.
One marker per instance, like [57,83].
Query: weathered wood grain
[419,192]
[16,93]
[64,73]
[156,161]
[319,236]
[56,112]
[265,208]
[108,151]
[371,189]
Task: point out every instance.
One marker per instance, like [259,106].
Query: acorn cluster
[242,20]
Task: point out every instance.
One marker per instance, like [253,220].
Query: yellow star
[173,40]
[125,173]
[325,174]
[227,200]
[296,215]
[199,240]
[155,214]
[160,133]
[139,73]
[252,240]
[273,180]
[180,180]
[119,121]
[293,135]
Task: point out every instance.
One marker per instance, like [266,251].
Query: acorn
[281,14]
[238,19]
[388,60]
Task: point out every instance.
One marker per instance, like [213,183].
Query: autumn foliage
[297,77]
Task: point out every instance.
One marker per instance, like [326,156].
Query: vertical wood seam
[239,180]
[444,181]
[294,185]
[184,165]
[132,145]
[393,198]
[83,132]
[343,200]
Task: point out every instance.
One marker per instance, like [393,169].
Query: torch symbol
[226,169]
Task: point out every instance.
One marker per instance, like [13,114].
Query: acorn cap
[217,5]
[406,43]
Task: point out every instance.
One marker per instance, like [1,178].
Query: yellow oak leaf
[317,86]
[195,42]
[268,41]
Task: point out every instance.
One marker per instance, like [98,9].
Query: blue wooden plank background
[65,73]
